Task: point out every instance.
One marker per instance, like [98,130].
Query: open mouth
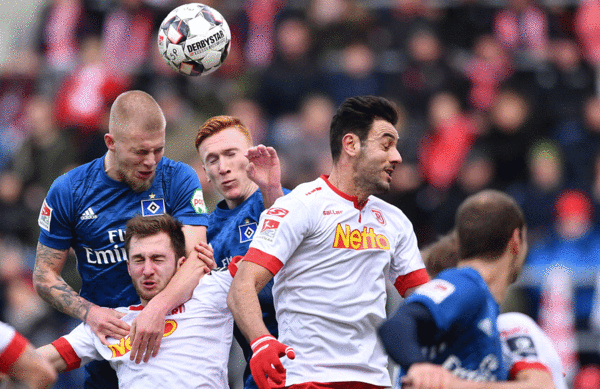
[389,172]
[145,175]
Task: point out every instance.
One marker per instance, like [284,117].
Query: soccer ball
[194,39]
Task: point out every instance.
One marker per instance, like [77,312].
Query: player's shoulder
[516,322]
[466,280]
[168,165]
[306,193]
[389,210]
[79,176]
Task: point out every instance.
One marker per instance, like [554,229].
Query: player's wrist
[260,340]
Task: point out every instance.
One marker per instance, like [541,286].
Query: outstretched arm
[51,287]
[430,376]
[31,369]
[264,169]
[249,279]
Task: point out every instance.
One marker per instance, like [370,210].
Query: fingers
[260,151]
[205,254]
[291,354]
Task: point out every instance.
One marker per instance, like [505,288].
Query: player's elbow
[41,377]
[47,377]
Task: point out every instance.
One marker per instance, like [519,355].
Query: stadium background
[492,94]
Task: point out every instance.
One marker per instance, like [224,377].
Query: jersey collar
[353,199]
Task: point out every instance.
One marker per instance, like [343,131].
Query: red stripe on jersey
[410,280]
[67,353]
[334,385]
[233,265]
[263,259]
[12,352]
[522,365]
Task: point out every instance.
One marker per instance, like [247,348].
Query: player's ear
[109,139]
[180,262]
[351,144]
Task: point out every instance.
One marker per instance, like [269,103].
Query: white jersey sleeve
[406,268]
[78,348]
[526,346]
[287,223]
[12,345]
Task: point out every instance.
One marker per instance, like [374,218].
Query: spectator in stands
[574,244]
[538,193]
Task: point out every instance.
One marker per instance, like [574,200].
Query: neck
[249,191]
[343,180]
[110,166]
[495,273]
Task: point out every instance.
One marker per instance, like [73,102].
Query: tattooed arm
[51,287]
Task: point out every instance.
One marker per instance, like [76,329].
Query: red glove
[266,351]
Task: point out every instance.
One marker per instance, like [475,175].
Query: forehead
[226,139]
[159,243]
[383,129]
[140,138]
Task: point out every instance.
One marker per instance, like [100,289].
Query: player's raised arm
[53,289]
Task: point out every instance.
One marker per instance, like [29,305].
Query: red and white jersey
[526,346]
[12,345]
[194,350]
[331,258]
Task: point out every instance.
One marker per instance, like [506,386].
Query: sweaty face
[377,158]
[137,154]
[151,264]
[223,158]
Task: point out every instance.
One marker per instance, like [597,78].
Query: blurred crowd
[498,95]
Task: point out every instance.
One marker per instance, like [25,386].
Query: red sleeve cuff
[67,353]
[12,352]
[263,259]
[410,280]
[520,366]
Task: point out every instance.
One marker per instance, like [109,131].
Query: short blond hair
[136,108]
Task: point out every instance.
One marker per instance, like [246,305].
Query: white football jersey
[331,258]
[193,353]
[12,345]
[526,346]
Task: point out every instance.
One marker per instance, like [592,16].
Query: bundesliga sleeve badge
[45,216]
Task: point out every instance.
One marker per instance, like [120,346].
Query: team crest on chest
[379,216]
[247,231]
[153,206]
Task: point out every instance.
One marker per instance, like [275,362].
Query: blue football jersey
[87,210]
[465,312]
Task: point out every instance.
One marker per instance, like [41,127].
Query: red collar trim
[136,307]
[353,199]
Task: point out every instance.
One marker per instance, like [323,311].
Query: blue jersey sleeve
[186,197]
[451,298]
[55,218]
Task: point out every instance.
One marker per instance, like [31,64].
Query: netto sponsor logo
[205,44]
[124,345]
[359,240]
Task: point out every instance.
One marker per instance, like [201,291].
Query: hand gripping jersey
[526,346]
[193,353]
[12,345]
[331,258]
[465,313]
[87,210]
